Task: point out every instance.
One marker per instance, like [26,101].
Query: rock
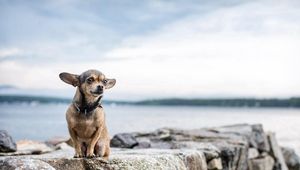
[57,140]
[28,147]
[233,157]
[196,161]
[215,164]
[64,146]
[260,138]
[264,163]
[276,153]
[254,133]
[237,147]
[252,153]
[232,142]
[292,160]
[6,142]
[137,159]
[123,140]
[142,145]
[24,164]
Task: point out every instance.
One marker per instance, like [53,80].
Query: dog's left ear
[69,78]
[110,83]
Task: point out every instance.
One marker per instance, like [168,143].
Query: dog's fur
[85,116]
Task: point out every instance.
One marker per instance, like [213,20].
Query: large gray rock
[254,133]
[215,164]
[263,163]
[252,153]
[24,164]
[123,140]
[27,147]
[125,159]
[276,153]
[7,144]
[240,147]
[292,160]
[231,147]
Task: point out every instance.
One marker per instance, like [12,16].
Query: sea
[40,122]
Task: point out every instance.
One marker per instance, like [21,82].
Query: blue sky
[154,48]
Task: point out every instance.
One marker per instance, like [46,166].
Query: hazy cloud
[155,48]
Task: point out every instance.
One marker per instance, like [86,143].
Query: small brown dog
[85,116]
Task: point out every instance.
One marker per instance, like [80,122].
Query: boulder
[7,144]
[276,153]
[263,163]
[57,140]
[236,147]
[292,160]
[255,134]
[24,164]
[143,145]
[137,159]
[28,147]
[215,164]
[252,153]
[123,140]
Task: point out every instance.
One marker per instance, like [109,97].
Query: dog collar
[87,109]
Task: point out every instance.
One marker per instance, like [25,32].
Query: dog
[85,115]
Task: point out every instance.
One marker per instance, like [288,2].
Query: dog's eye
[90,80]
[104,81]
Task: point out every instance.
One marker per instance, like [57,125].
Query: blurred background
[185,64]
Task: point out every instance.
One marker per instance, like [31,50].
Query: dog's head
[91,82]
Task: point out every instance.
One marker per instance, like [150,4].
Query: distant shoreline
[293,102]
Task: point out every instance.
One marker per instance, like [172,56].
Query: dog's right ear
[69,78]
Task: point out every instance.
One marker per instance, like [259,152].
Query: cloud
[232,51]
[245,48]
[4,53]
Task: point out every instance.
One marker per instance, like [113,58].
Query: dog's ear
[69,78]
[110,83]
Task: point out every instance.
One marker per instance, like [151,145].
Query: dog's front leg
[94,140]
[77,144]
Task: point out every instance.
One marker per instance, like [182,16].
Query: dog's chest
[86,127]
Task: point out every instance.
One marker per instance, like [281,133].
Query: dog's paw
[91,156]
[104,160]
[78,156]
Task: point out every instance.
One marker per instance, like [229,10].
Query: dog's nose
[99,87]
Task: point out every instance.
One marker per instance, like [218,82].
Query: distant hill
[42,99]
[4,86]
[236,102]
[29,99]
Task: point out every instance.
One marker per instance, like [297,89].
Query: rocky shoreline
[235,147]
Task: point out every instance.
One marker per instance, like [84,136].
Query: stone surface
[122,159]
[28,147]
[6,142]
[123,140]
[276,153]
[264,163]
[142,145]
[215,164]
[259,138]
[292,160]
[24,164]
[252,153]
[236,147]
[254,133]
[57,140]
[231,147]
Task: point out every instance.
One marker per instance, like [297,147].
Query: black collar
[84,107]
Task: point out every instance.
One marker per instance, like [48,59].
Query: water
[43,121]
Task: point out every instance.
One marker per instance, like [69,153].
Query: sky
[155,49]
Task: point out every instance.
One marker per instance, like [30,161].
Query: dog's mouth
[97,93]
